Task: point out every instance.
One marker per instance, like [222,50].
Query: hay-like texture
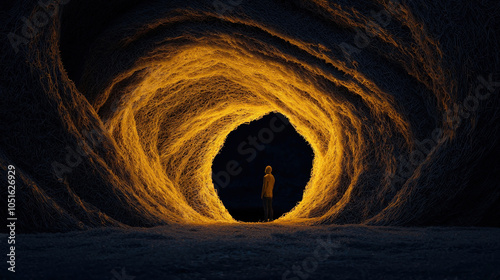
[114,111]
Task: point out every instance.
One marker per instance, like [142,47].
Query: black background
[287,152]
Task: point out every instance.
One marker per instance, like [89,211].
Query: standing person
[267,194]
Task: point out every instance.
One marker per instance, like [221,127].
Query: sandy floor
[260,251]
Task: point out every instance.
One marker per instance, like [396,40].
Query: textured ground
[260,251]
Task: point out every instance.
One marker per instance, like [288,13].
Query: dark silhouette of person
[267,194]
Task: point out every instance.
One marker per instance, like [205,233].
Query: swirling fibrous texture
[115,110]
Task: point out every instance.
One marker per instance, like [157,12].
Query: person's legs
[264,202]
[270,210]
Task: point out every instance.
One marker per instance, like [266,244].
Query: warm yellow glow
[184,96]
[175,120]
[162,85]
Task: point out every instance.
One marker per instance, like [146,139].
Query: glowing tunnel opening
[170,97]
[238,168]
[174,115]
[162,84]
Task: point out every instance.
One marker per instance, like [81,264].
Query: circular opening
[238,168]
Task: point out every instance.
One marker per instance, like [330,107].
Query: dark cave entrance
[238,169]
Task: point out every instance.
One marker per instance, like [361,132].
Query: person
[267,194]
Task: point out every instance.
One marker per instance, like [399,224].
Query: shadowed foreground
[261,251]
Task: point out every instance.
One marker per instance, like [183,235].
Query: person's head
[269,169]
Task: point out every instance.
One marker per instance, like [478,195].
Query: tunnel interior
[142,98]
[238,169]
